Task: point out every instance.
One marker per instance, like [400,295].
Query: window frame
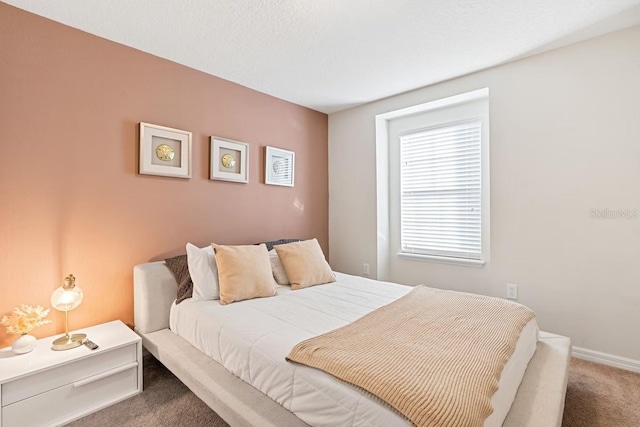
[458,102]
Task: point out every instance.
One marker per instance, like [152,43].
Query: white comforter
[251,339]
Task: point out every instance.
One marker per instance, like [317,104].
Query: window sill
[442,260]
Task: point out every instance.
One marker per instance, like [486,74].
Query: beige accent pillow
[244,272]
[305,264]
[278,269]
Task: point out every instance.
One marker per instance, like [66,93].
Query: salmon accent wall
[71,200]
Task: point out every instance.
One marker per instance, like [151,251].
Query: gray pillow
[273,243]
[180,269]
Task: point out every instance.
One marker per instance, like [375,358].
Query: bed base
[538,403]
[237,402]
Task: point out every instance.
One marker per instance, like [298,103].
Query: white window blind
[441,194]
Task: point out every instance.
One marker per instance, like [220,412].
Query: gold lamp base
[68,342]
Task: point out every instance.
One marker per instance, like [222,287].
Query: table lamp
[66,298]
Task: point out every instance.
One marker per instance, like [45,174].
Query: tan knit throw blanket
[435,356]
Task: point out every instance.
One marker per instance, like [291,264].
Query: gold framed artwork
[279,167]
[164,151]
[229,160]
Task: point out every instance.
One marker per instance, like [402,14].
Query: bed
[237,337]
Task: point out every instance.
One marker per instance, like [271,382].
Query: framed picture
[279,166]
[164,151]
[229,160]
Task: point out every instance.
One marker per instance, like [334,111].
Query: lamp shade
[68,296]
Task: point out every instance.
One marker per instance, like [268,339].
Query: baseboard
[606,359]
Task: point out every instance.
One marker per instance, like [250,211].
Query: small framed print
[229,160]
[164,151]
[279,167]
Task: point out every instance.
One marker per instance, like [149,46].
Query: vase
[23,344]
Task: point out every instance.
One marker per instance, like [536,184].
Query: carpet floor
[597,396]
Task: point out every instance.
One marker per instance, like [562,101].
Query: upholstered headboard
[154,290]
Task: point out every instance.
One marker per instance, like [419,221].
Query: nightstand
[51,388]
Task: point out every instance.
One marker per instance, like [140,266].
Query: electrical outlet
[512,291]
[365,269]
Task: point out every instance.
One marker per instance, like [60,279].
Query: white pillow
[278,269]
[204,272]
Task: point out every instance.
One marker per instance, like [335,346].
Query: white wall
[565,138]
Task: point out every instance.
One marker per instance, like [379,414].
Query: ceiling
[330,55]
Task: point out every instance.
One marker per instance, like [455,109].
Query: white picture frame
[164,151]
[229,160]
[279,167]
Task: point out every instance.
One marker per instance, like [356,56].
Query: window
[440,191]
[438,181]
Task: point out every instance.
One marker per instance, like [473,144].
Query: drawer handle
[105,374]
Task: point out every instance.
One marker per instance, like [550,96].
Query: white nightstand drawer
[73,400]
[44,381]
